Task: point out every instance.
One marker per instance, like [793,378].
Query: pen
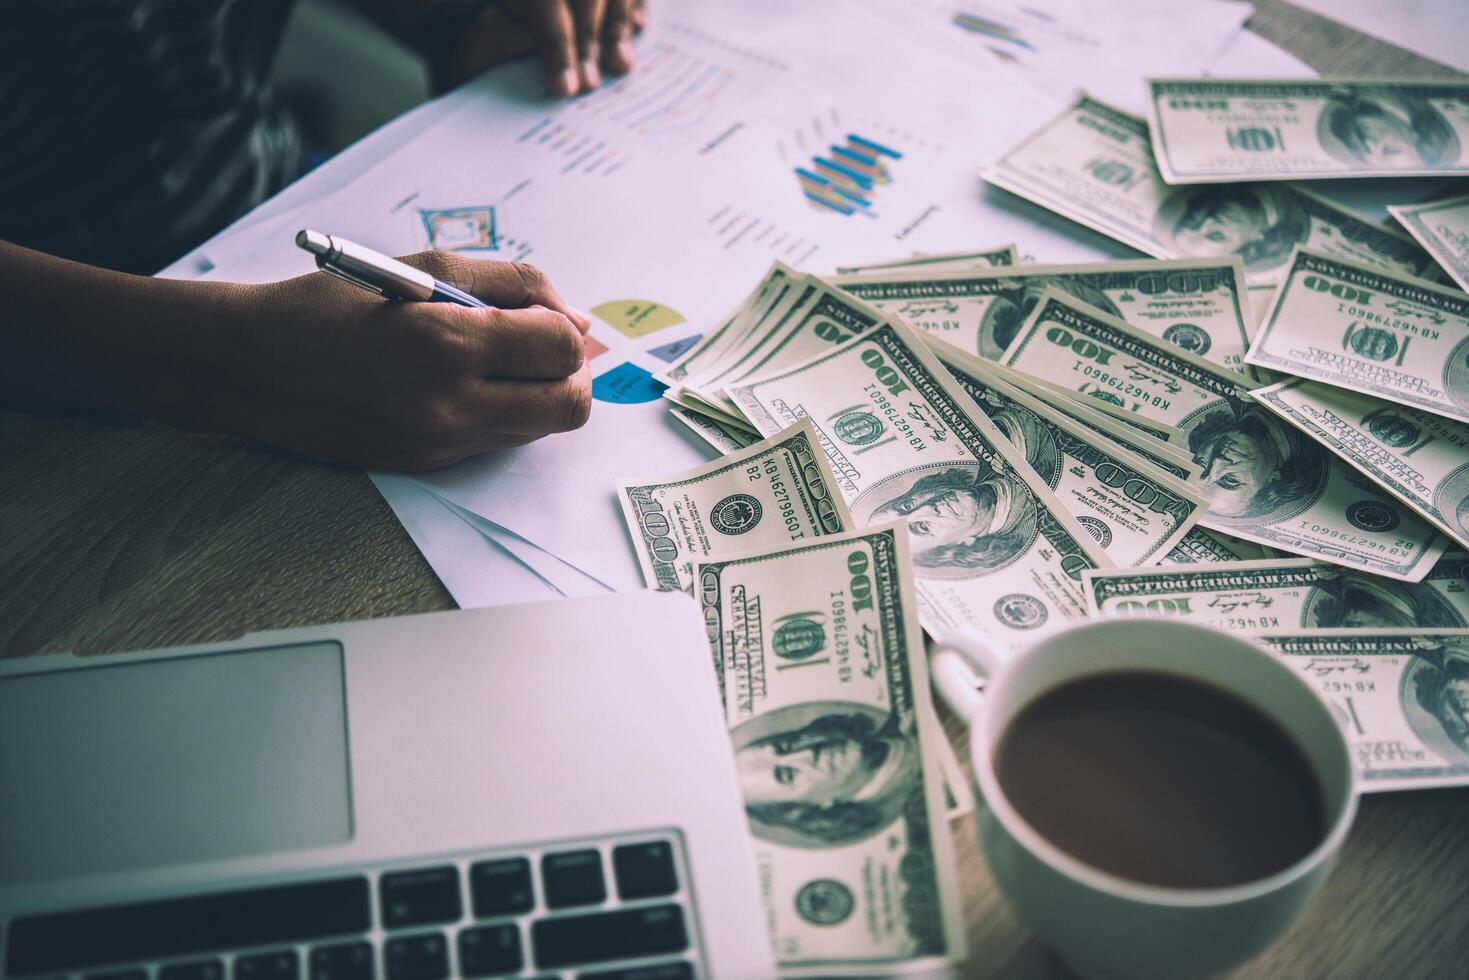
[377,273]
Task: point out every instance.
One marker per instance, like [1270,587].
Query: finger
[588,17]
[617,53]
[639,16]
[505,284]
[534,343]
[534,408]
[555,34]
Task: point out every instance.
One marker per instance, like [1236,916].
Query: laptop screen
[137,765]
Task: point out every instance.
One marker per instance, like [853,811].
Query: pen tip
[313,241]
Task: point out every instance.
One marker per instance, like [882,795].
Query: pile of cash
[1263,427]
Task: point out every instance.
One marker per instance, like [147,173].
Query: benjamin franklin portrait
[1439,682]
[825,774]
[964,519]
[1256,468]
[1380,129]
[1260,223]
[1028,433]
[1355,600]
[1003,317]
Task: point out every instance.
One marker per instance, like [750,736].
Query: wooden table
[117,536]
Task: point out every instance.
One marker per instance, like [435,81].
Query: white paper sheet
[476,571]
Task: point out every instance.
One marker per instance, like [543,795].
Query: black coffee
[1161,780]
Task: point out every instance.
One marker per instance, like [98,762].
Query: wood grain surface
[115,536]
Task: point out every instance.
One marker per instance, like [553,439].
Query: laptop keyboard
[614,909]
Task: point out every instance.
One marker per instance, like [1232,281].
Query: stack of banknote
[1263,427]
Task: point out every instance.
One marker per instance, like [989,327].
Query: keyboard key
[659,971]
[281,965]
[421,957]
[197,970]
[574,940]
[175,928]
[424,897]
[501,888]
[490,950]
[573,878]
[344,961]
[138,974]
[644,870]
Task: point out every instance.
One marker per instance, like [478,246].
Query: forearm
[75,339]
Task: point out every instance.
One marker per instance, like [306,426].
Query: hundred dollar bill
[1442,227]
[1287,593]
[722,436]
[818,317]
[734,328]
[1210,130]
[775,491]
[1168,458]
[826,693]
[1135,511]
[1420,458]
[1093,164]
[996,552]
[1366,330]
[1068,401]
[1401,697]
[1202,545]
[1199,304]
[1000,255]
[1265,481]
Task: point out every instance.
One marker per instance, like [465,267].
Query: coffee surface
[1161,780]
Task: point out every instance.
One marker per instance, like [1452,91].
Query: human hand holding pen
[415,386]
[310,364]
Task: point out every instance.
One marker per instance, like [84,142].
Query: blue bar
[802,172]
[862,158]
[862,179]
[874,147]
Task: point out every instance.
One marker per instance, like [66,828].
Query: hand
[575,40]
[326,370]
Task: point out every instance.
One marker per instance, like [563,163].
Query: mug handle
[956,668]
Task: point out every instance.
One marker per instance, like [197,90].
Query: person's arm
[310,364]
[576,41]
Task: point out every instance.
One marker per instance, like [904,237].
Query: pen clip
[346,276]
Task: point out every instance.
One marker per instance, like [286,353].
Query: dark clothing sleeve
[132,130]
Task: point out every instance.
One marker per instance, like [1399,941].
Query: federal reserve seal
[1373,516]
[798,637]
[1098,530]
[735,514]
[1189,337]
[1020,611]
[856,427]
[824,902]
[1391,429]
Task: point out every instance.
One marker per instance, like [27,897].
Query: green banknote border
[887,581]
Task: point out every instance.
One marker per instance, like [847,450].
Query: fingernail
[566,83]
[624,51]
[590,74]
[576,314]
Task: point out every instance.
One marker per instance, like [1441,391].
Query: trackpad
[116,768]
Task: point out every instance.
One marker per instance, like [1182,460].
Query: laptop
[543,790]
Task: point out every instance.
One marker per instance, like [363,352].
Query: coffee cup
[1105,922]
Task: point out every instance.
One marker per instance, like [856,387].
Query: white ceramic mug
[1101,924]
